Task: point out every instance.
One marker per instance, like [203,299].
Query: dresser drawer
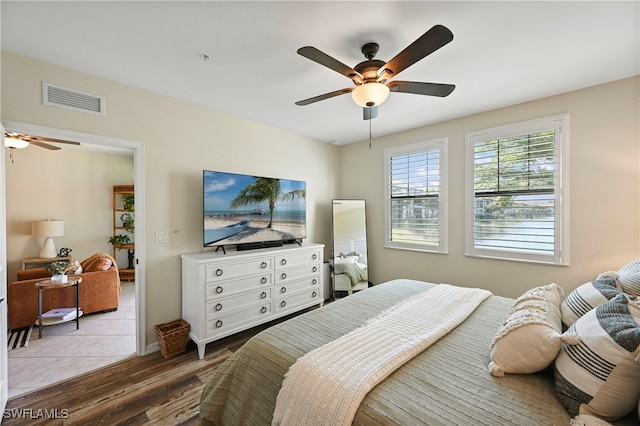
[224,305]
[230,270]
[220,323]
[229,287]
[290,274]
[285,289]
[294,259]
[304,297]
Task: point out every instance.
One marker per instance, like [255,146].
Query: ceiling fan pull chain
[370,134]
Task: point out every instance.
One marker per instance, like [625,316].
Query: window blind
[514,187]
[414,182]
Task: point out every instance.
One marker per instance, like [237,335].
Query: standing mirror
[350,270]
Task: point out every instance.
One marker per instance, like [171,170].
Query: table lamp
[48,229]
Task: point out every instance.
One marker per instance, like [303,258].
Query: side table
[72,281]
[38,262]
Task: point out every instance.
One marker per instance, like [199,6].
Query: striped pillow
[629,277]
[588,296]
[599,374]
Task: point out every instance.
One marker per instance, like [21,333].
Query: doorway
[106,144]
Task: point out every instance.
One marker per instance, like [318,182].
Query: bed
[447,384]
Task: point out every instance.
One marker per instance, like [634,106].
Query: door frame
[139,184]
[4,360]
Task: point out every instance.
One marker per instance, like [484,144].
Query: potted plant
[119,240]
[56,269]
[128,202]
[128,222]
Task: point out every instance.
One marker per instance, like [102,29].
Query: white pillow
[629,277]
[529,338]
[598,372]
[588,296]
[348,259]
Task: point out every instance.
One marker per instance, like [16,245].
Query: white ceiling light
[370,94]
[15,143]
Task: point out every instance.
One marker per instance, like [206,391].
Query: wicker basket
[173,337]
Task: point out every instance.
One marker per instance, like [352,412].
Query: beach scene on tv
[240,209]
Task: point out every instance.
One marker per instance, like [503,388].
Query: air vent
[63,97]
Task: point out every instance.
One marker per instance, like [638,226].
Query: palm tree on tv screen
[265,189]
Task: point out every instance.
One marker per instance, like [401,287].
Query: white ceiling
[503,53]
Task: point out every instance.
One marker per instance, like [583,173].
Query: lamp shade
[15,143]
[370,94]
[47,228]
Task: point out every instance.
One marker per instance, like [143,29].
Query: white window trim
[442,145]
[560,123]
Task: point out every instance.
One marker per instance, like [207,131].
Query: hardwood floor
[142,390]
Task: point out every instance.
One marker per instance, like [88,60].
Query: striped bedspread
[447,384]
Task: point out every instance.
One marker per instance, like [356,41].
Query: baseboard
[153,347]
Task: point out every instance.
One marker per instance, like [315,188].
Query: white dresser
[223,294]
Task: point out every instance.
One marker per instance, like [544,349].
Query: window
[415,196]
[516,189]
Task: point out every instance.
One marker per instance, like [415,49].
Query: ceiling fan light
[370,94]
[15,143]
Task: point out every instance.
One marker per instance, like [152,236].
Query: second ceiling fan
[371,77]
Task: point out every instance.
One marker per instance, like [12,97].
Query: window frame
[440,144]
[560,123]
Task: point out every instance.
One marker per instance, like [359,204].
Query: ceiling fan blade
[43,139]
[43,145]
[426,44]
[322,58]
[369,113]
[324,96]
[418,88]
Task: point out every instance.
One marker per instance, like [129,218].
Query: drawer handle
[283,304]
[218,307]
[283,276]
[219,289]
[283,262]
[263,265]
[263,295]
[314,294]
[314,257]
[263,310]
[219,272]
[315,269]
[264,280]
[314,281]
[283,290]
[218,324]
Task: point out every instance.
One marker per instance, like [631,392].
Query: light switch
[162,237]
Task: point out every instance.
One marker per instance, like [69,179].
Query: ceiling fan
[371,76]
[15,141]
[19,141]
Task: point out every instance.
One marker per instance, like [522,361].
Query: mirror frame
[352,247]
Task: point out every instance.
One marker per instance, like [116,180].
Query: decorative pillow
[597,371]
[588,296]
[101,264]
[629,277]
[348,259]
[97,262]
[530,336]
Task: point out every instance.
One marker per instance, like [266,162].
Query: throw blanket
[353,271]
[326,386]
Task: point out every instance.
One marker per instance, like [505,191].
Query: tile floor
[64,352]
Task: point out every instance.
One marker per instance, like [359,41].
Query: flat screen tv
[252,211]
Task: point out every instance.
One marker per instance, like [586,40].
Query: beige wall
[180,140]
[604,193]
[70,185]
